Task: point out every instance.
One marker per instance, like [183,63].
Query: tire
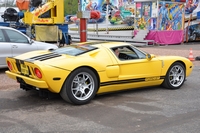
[175,76]
[80,87]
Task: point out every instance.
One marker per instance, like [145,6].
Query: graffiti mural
[143,15]
[192,31]
[170,16]
[190,6]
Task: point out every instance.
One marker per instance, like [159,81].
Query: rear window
[74,50]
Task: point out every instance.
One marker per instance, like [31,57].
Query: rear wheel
[175,76]
[80,87]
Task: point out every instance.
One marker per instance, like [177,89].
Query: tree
[7,3]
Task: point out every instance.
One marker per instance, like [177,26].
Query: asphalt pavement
[149,110]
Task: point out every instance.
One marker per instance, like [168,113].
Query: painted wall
[170,16]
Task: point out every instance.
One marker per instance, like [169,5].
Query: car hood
[45,56]
[45,46]
[63,61]
[171,58]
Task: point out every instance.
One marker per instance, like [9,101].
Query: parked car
[13,43]
[196,34]
[80,71]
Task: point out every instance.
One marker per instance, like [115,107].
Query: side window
[141,55]
[128,53]
[2,38]
[16,37]
[116,51]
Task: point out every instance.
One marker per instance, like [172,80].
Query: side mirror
[31,41]
[150,56]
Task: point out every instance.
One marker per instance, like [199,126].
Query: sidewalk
[186,46]
[177,50]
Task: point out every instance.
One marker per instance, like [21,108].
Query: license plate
[24,69]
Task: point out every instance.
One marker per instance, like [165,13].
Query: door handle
[14,46]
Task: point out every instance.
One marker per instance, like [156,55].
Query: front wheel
[175,76]
[80,87]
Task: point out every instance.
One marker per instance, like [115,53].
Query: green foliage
[7,5]
[70,7]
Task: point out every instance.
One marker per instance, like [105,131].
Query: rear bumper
[27,80]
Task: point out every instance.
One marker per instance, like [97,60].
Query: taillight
[38,73]
[9,65]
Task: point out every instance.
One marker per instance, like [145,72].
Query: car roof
[4,27]
[115,44]
[105,44]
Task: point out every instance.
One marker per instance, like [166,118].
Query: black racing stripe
[122,81]
[45,56]
[162,77]
[125,81]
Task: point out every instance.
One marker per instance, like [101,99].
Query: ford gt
[80,71]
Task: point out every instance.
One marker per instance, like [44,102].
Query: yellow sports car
[80,71]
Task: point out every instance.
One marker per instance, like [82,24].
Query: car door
[141,69]
[135,65]
[5,49]
[19,42]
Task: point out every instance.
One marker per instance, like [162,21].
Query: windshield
[74,50]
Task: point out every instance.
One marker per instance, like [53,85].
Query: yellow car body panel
[113,74]
[48,80]
[167,61]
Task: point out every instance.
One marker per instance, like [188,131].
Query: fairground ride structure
[39,20]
